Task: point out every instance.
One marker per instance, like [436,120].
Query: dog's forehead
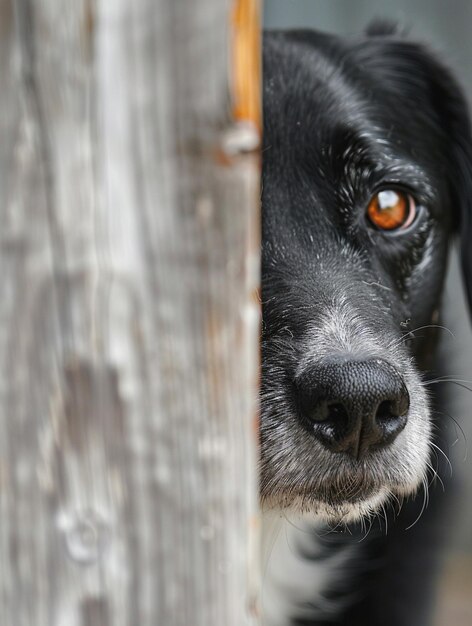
[294,67]
[314,81]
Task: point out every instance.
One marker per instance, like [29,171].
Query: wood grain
[129,253]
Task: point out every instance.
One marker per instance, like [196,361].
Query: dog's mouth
[335,504]
[349,491]
[348,485]
[339,488]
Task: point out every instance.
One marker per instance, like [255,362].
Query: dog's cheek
[426,281]
[413,445]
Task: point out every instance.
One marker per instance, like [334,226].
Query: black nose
[353,406]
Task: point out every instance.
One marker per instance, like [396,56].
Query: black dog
[367,175]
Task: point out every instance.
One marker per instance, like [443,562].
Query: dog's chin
[334,509]
[339,511]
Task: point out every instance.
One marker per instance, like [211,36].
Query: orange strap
[246,21]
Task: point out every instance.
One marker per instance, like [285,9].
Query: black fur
[344,118]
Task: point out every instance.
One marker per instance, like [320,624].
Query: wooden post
[129,256]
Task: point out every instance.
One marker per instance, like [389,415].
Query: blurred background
[446,26]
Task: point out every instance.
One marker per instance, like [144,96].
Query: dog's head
[366,175]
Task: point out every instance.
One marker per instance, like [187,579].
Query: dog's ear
[453,111]
[461,186]
[413,69]
[385,28]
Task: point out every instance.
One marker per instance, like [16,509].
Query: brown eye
[391,210]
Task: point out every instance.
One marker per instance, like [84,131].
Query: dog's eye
[391,210]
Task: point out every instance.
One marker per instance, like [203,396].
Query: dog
[366,179]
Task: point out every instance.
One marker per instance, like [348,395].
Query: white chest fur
[298,569]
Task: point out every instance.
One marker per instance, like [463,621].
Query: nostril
[329,421]
[319,412]
[337,412]
[386,412]
[394,407]
[324,411]
[391,416]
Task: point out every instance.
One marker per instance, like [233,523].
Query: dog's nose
[353,406]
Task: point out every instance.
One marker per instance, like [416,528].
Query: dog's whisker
[454,382]
[436,447]
[449,379]
[435,476]
[374,284]
[385,518]
[410,334]
[457,426]
[294,525]
[367,529]
[267,557]
[395,498]
[423,507]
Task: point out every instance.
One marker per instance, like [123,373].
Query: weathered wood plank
[128,334]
